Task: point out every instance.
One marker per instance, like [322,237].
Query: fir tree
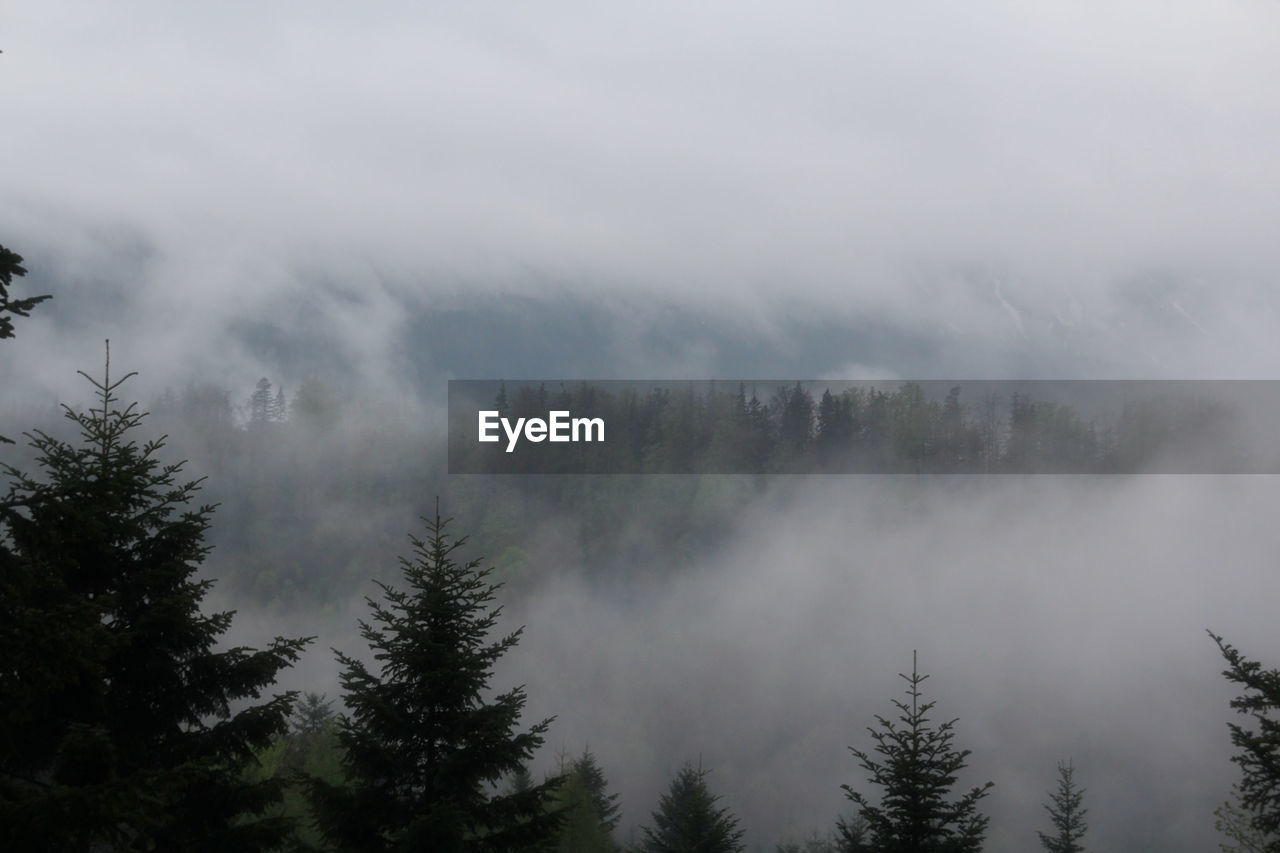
[1259,745]
[590,812]
[260,403]
[521,781]
[689,821]
[582,830]
[279,410]
[916,775]
[10,268]
[606,805]
[1237,825]
[424,746]
[116,729]
[1067,815]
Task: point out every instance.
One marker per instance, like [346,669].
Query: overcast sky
[1101,174]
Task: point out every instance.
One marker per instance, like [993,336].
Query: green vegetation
[688,818]
[1253,821]
[1066,813]
[916,773]
[423,744]
[116,720]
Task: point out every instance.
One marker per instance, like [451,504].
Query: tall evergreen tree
[916,775]
[10,268]
[586,768]
[1259,745]
[424,745]
[261,403]
[582,830]
[116,728]
[590,812]
[1066,813]
[279,411]
[689,821]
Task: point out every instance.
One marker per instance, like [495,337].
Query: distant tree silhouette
[689,819]
[916,773]
[1065,811]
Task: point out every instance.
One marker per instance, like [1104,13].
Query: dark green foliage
[116,727]
[1237,825]
[582,830]
[587,769]
[10,268]
[591,813]
[308,751]
[424,745]
[1259,744]
[1067,815]
[916,774]
[688,819]
[313,723]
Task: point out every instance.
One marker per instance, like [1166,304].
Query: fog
[387,197]
[1058,617]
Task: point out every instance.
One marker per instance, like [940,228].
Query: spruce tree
[582,830]
[590,812]
[689,821]
[916,773]
[425,744]
[1237,825]
[261,405]
[1259,744]
[10,268]
[586,768]
[1067,815]
[116,721]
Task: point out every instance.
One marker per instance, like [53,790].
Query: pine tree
[688,820]
[1067,815]
[590,812]
[582,830]
[1237,825]
[260,403]
[10,268]
[424,747]
[279,410]
[916,777]
[521,780]
[1259,787]
[586,768]
[116,729]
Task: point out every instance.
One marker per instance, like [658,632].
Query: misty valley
[337,512]
[617,662]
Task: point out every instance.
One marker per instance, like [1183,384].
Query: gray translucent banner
[863,427]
